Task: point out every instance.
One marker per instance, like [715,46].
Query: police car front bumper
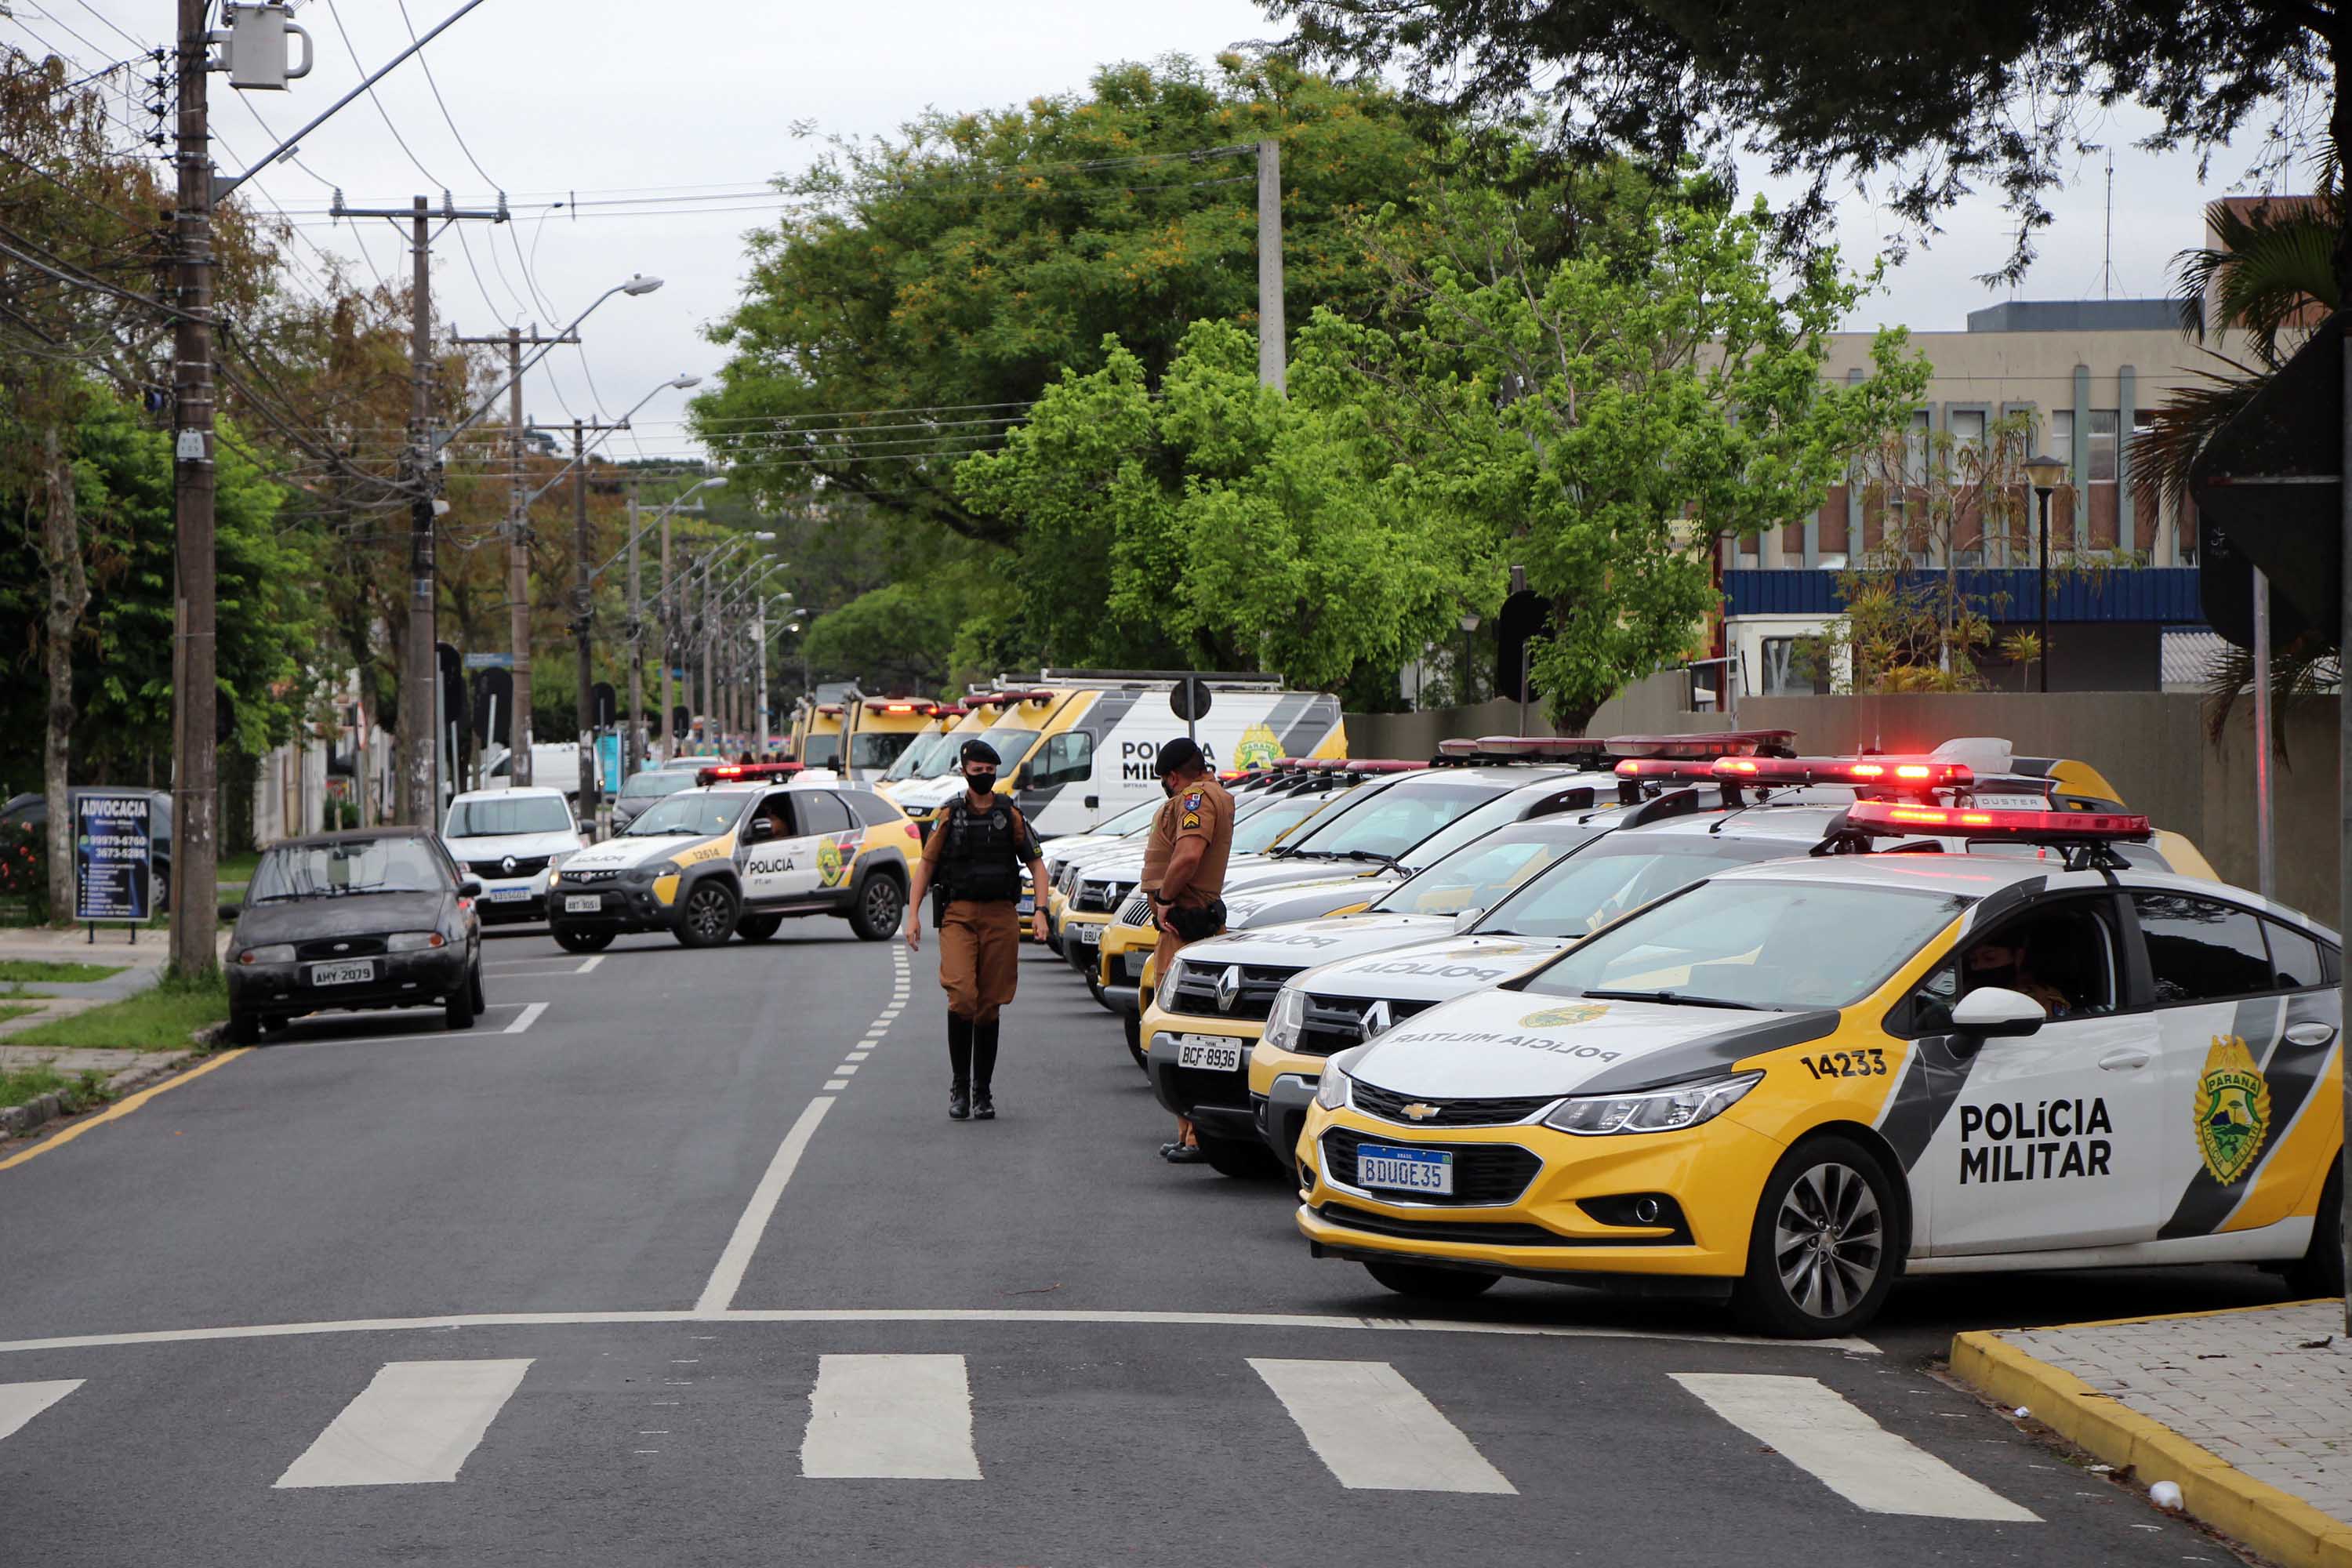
[1215,1096]
[1281,1116]
[617,908]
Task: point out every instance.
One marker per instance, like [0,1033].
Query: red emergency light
[1707,743]
[1668,770]
[1885,819]
[926,709]
[1561,746]
[1904,774]
[1379,765]
[735,772]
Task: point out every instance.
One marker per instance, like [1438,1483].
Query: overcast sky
[622,102]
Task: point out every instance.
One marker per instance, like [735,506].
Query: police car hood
[628,849]
[1515,1044]
[1297,942]
[1429,967]
[1285,903]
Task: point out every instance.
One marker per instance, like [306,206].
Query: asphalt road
[675,1259]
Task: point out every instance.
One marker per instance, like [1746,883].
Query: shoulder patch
[1192,801]
[1192,820]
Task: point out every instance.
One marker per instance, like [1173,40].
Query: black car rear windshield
[348,867]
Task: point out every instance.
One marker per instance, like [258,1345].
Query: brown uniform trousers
[1170,944]
[980,957]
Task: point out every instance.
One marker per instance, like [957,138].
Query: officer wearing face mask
[973,858]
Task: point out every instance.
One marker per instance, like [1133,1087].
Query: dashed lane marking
[20,1402]
[529,1017]
[890,1417]
[425,1030]
[1376,1431]
[416,1422]
[719,1293]
[1822,1433]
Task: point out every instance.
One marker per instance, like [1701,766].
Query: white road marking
[416,1422]
[1375,1431]
[858,1056]
[1027,1316]
[588,964]
[719,1294]
[529,1017]
[20,1402]
[833,1085]
[845,1069]
[426,1030]
[1823,1434]
[890,1417]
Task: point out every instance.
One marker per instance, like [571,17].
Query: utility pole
[518,542]
[583,611]
[195,794]
[420,742]
[1271,336]
[631,754]
[710,617]
[669,645]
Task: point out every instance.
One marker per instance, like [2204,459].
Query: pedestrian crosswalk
[915,1417]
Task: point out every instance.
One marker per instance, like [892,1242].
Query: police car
[749,845]
[1786,1084]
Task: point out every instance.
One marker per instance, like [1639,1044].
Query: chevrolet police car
[1785,1084]
[1767,808]
[737,855]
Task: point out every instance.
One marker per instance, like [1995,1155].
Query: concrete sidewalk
[2248,1410]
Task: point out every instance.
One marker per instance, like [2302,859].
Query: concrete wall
[2151,745]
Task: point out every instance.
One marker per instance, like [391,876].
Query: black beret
[981,752]
[1181,752]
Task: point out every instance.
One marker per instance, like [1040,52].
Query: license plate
[1407,1170]
[1135,962]
[1215,1055]
[510,895]
[581,904]
[344,973]
[1090,936]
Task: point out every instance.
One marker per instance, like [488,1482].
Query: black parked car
[32,811]
[370,918]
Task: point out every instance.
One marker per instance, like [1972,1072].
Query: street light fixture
[640,284]
[2045,474]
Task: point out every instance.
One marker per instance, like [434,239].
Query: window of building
[2101,457]
[2061,437]
[1792,667]
[1968,427]
[1914,447]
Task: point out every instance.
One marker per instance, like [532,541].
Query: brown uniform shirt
[1200,810]
[1025,847]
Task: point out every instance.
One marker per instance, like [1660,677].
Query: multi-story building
[2085,373]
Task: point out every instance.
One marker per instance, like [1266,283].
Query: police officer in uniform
[978,845]
[1184,872]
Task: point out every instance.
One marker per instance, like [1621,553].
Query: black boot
[960,1066]
[983,1068]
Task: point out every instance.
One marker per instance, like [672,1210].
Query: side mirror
[231,912]
[1463,919]
[1996,1012]
[761,830]
[1023,778]
[469,888]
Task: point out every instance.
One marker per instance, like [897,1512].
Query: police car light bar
[1910,775]
[1541,745]
[1888,818]
[1668,770]
[1382,765]
[726,772]
[1713,743]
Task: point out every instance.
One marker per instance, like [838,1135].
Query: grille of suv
[1334,1024]
[524,866]
[584,877]
[1389,1106]
[1196,989]
[1101,896]
[1483,1173]
[1135,911]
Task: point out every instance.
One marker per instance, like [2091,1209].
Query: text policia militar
[2041,1143]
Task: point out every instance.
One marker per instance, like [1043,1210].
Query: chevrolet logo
[1420,1112]
[1229,987]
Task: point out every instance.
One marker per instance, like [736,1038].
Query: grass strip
[80,1091]
[161,1018]
[45,972]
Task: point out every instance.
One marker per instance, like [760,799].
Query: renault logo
[1375,1021]
[508,865]
[1419,1111]
[1229,987]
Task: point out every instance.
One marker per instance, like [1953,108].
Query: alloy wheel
[706,914]
[1829,1240]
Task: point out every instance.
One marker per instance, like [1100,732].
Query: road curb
[15,1121]
[2212,1490]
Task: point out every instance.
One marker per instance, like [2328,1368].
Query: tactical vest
[979,861]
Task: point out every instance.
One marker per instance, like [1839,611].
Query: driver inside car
[1999,961]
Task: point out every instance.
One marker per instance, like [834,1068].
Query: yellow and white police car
[750,847]
[1788,1083]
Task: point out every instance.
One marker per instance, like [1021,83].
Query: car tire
[758,928]
[244,1028]
[707,916]
[1246,1159]
[474,988]
[2320,1270]
[458,1012]
[1102,998]
[1825,1247]
[880,906]
[1432,1284]
[572,939]
[160,889]
[1135,1042]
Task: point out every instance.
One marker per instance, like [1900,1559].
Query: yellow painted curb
[123,1107]
[2211,1489]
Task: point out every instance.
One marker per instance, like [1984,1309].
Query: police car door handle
[2310,1033]
[2127,1058]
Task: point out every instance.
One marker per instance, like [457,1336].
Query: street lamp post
[2045,474]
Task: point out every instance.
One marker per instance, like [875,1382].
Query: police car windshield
[504,815]
[1258,822]
[1504,808]
[1481,874]
[703,814]
[1134,819]
[1618,874]
[1010,746]
[821,750]
[1384,825]
[877,748]
[1751,943]
[910,761]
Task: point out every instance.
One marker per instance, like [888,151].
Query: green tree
[945,278]
[1923,102]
